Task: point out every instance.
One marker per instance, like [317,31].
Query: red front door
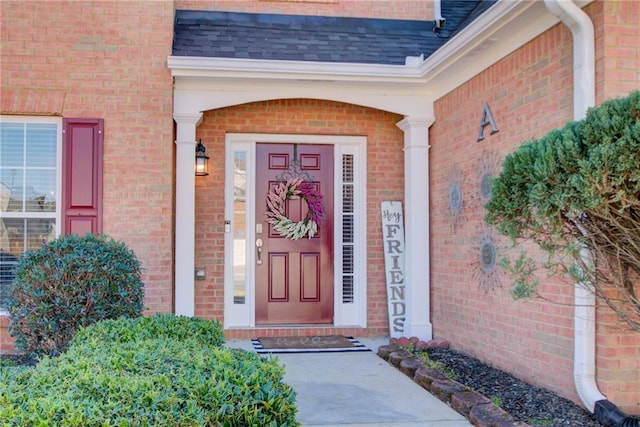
[294,278]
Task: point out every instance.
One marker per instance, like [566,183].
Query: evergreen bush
[159,326]
[70,282]
[573,192]
[109,377]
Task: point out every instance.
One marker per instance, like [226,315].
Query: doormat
[313,344]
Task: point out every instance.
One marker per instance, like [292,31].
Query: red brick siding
[297,116]
[618,48]
[617,74]
[530,92]
[396,9]
[107,60]
[6,340]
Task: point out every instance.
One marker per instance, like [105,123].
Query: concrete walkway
[359,389]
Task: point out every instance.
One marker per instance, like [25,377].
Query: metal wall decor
[455,197]
[486,268]
[487,169]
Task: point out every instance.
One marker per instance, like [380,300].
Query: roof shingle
[316,38]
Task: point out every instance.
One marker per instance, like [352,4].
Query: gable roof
[316,38]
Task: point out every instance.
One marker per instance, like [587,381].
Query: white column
[185,212]
[416,198]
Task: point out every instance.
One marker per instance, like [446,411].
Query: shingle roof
[316,38]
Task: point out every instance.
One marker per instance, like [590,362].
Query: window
[239,227]
[348,228]
[28,190]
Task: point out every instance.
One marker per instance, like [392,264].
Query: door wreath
[276,208]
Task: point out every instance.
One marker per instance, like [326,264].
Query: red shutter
[82,176]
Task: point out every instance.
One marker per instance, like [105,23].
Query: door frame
[346,314]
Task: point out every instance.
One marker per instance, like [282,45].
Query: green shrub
[166,381]
[71,282]
[576,189]
[158,326]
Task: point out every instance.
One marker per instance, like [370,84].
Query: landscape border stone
[464,401]
[478,409]
[424,377]
[396,357]
[410,365]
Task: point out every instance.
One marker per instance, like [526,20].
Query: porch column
[416,214]
[184,301]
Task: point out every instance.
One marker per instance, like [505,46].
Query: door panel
[294,283]
[278,279]
[310,277]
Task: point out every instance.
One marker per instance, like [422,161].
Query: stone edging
[478,409]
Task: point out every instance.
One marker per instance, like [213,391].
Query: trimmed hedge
[138,380]
[159,326]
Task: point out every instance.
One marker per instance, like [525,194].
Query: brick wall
[617,74]
[6,340]
[106,60]
[530,92]
[298,116]
[395,9]
[618,49]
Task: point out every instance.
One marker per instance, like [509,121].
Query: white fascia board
[501,30]
[197,94]
[260,69]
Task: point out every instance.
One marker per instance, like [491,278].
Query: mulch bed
[523,402]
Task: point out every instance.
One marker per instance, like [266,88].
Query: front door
[294,278]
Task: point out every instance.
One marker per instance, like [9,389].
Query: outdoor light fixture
[202,160]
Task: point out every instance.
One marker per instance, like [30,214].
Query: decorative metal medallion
[455,198]
[486,268]
[485,186]
[487,169]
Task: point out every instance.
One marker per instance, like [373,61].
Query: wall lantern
[202,160]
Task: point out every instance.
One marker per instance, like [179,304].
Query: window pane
[39,231]
[239,225]
[11,145]
[14,228]
[347,168]
[41,145]
[7,268]
[41,191]
[347,289]
[347,198]
[347,259]
[11,185]
[347,228]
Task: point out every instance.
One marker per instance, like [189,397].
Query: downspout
[584,366]
[438,19]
